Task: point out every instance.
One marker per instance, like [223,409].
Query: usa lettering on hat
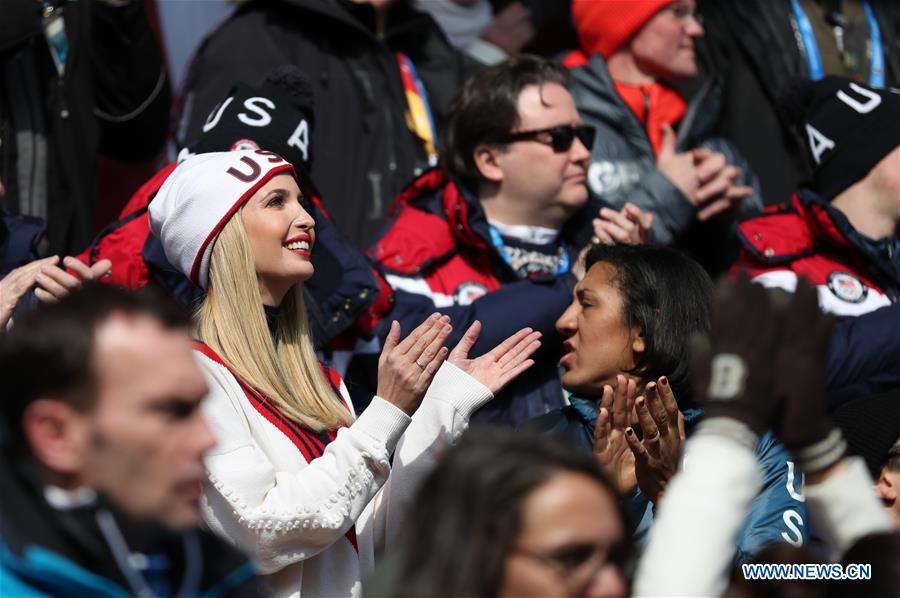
[849,128]
[261,112]
[277,115]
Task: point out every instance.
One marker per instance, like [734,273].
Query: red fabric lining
[418,236]
[446,253]
[791,231]
[457,209]
[427,182]
[575,59]
[124,245]
[654,104]
[799,238]
[369,319]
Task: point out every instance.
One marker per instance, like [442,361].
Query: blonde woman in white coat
[308,489]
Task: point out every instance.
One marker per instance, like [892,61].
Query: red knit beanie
[603,26]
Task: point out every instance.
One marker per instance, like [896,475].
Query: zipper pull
[646,104]
[63,104]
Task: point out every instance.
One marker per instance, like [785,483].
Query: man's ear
[487,162]
[883,479]
[56,432]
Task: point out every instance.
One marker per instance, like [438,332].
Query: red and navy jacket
[436,252]
[810,239]
[438,232]
[856,281]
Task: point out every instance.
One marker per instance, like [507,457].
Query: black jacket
[364,152]
[753,48]
[112,99]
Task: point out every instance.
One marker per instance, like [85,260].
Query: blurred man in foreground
[102,460]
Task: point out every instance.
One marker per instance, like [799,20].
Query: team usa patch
[468,292]
[847,287]
[244,144]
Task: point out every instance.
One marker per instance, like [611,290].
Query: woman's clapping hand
[406,368]
[496,368]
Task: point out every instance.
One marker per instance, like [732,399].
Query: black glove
[733,370]
[802,424]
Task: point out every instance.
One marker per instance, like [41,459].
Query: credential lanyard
[55,33]
[814,58]
[500,246]
[418,115]
[876,66]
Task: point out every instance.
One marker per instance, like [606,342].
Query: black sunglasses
[561,137]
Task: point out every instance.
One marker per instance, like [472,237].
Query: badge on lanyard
[55,32]
[850,61]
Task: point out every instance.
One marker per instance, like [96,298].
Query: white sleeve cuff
[383,421]
[453,386]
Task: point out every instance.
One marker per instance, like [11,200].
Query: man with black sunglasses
[500,225]
[560,137]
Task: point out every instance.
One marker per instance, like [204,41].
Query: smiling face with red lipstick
[281,234]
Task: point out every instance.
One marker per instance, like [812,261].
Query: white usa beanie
[199,198]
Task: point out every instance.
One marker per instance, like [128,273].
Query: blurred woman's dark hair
[487,109]
[668,296]
[468,514]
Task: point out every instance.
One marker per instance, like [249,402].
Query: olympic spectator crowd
[452,298]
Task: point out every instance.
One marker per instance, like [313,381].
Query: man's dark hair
[893,458]
[486,109]
[881,551]
[668,296]
[468,514]
[48,352]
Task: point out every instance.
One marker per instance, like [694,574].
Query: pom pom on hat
[794,99]
[200,196]
[295,82]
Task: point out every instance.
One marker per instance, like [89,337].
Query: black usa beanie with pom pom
[848,128]
[278,116]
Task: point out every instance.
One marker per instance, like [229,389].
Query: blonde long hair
[231,321]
